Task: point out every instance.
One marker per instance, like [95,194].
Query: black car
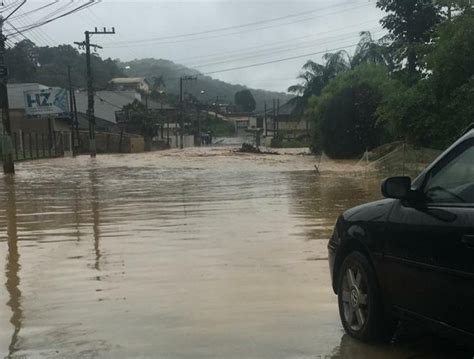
[411,255]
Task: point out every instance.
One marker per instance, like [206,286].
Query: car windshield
[454,183]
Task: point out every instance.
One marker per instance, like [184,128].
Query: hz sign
[49,102]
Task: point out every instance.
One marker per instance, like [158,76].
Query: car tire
[360,304]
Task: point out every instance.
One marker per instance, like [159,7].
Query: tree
[437,108]
[139,120]
[411,24]
[316,76]
[345,115]
[455,5]
[48,65]
[22,61]
[244,99]
[370,51]
[158,83]
[451,60]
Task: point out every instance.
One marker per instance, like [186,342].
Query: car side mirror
[397,187]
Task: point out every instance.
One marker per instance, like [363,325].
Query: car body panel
[424,266]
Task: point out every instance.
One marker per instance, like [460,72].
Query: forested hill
[170,73]
[27,62]
[48,65]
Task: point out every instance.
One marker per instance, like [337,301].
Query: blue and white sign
[46,103]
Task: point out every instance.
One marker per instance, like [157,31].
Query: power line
[14,11]
[262,46]
[10,6]
[278,50]
[189,37]
[43,34]
[56,11]
[35,10]
[279,60]
[102,23]
[76,9]
[38,38]
[108,102]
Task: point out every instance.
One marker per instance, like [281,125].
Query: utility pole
[278,116]
[8,164]
[274,119]
[90,83]
[71,111]
[265,120]
[76,122]
[182,79]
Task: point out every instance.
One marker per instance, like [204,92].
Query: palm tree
[372,51]
[158,83]
[315,77]
[311,84]
[337,63]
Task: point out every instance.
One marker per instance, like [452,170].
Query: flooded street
[195,254]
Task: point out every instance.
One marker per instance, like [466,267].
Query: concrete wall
[293,125]
[136,144]
[36,125]
[188,141]
[110,143]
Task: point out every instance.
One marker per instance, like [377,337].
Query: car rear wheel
[360,303]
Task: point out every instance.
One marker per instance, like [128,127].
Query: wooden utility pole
[8,164]
[90,83]
[274,119]
[265,120]
[181,106]
[277,119]
[76,122]
[71,111]
[7,153]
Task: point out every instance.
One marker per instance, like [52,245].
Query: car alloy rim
[354,298]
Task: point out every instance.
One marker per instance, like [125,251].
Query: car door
[429,247]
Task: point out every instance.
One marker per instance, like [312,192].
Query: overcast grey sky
[281,29]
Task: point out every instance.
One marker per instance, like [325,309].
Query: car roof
[469,130]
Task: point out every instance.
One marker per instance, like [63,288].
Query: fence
[404,159]
[112,142]
[34,145]
[393,159]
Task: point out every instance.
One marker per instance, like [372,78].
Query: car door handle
[468,240]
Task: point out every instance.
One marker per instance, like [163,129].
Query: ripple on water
[174,254]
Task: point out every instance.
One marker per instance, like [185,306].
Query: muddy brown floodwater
[194,254]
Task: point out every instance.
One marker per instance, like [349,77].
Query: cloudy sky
[215,36]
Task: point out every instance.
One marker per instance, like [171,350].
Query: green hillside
[171,72]
[48,65]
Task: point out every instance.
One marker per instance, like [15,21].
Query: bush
[345,115]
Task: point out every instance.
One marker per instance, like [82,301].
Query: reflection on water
[415,346]
[95,201]
[191,254]
[12,266]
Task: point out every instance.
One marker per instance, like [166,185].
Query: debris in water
[248,148]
